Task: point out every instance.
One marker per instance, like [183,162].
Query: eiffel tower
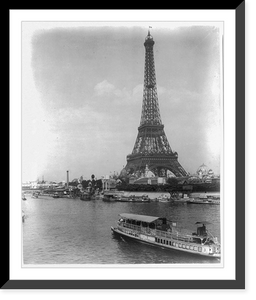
[152,150]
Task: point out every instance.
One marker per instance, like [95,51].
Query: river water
[71,231]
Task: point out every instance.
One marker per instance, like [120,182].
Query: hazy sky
[82,90]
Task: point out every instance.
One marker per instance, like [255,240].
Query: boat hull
[182,246]
[85,198]
[134,200]
[108,200]
[203,202]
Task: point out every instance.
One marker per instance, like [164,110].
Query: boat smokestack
[67,179]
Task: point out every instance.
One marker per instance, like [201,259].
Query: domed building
[202,170]
[210,172]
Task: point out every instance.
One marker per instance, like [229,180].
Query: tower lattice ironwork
[152,150]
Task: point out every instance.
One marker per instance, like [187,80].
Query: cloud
[104,88]
[138,89]
[118,95]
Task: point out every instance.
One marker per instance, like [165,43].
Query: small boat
[23,216]
[180,200]
[184,199]
[56,195]
[35,195]
[23,197]
[198,201]
[136,199]
[110,198]
[214,199]
[123,199]
[143,198]
[97,197]
[203,201]
[85,197]
[162,232]
[163,198]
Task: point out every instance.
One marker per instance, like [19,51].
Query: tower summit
[152,149]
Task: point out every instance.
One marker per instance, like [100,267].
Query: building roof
[145,180]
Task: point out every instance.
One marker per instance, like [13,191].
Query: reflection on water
[71,231]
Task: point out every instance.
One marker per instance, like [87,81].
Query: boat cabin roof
[202,223]
[142,218]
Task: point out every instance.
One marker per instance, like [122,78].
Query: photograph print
[122,143]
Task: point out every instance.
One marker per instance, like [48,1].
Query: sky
[82,91]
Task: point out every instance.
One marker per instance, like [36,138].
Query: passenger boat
[162,232]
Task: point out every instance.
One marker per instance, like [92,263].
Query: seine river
[71,231]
